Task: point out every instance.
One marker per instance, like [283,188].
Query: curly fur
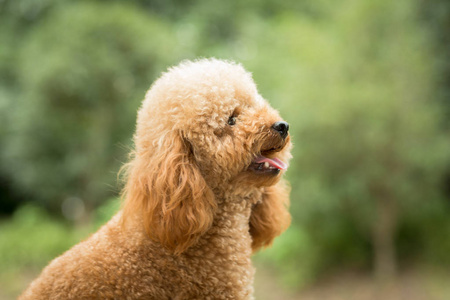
[194,210]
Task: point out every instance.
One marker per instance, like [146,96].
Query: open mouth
[263,164]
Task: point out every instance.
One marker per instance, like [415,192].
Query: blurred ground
[418,283]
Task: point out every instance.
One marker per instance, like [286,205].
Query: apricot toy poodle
[203,192]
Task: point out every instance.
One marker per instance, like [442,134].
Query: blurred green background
[364,84]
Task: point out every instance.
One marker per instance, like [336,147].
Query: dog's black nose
[282,128]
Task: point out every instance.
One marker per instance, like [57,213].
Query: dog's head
[202,127]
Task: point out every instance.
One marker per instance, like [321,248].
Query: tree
[370,150]
[81,75]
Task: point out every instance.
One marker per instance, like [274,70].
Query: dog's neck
[231,224]
[235,205]
[237,198]
[231,220]
[234,208]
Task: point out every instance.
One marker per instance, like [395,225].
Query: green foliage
[29,241]
[295,242]
[365,128]
[105,211]
[84,70]
[32,238]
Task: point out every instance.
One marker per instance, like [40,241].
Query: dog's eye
[232,119]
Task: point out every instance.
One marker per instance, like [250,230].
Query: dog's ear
[166,187]
[270,217]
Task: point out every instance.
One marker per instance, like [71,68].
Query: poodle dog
[203,192]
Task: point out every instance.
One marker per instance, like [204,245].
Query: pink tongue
[273,162]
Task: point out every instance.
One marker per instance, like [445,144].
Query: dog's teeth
[266,165]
